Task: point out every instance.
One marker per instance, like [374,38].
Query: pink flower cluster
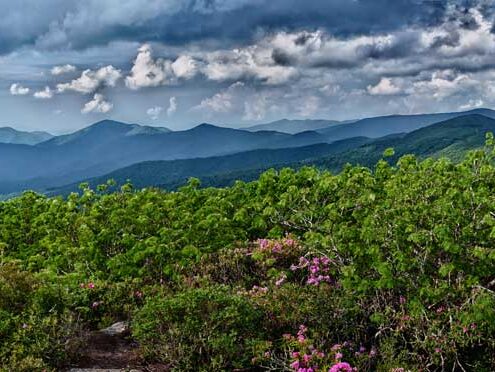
[308,361]
[281,280]
[318,269]
[90,285]
[341,367]
[258,291]
[275,246]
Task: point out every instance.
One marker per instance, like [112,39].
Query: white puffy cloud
[90,81]
[172,106]
[18,90]
[223,101]
[443,84]
[154,112]
[46,93]
[254,62]
[185,67]
[97,104]
[385,87]
[64,69]
[149,72]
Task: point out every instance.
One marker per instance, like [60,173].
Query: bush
[208,329]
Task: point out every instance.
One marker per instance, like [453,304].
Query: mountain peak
[108,123]
[206,126]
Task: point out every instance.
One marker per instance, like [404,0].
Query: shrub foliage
[390,269]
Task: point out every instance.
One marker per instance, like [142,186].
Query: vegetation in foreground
[389,270]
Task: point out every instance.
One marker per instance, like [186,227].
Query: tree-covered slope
[451,138]
[382,269]
[385,125]
[177,172]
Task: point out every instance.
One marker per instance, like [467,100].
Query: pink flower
[295,355]
[295,365]
[289,242]
[402,300]
[91,285]
[438,350]
[341,366]
[95,304]
[302,329]
[82,285]
[301,339]
[281,281]
[338,356]
[336,347]
[306,358]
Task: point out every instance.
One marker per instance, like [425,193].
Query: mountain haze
[13,136]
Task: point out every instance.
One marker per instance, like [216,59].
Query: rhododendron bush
[389,269]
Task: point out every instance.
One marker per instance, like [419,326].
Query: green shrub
[199,329]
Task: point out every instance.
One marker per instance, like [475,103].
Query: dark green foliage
[207,329]
[405,253]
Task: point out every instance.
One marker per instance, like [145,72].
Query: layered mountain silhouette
[158,156]
[13,136]
[385,125]
[450,138]
[294,126]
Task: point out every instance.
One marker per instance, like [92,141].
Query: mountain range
[151,156]
[11,135]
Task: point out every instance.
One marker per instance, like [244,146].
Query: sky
[65,64]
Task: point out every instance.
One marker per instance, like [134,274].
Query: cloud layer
[236,61]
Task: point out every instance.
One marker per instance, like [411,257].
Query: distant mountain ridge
[450,138]
[384,125]
[108,146]
[293,126]
[14,136]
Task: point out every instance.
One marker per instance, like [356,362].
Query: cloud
[64,69]
[384,88]
[472,104]
[443,84]
[46,93]
[149,72]
[172,106]
[97,104]
[63,24]
[154,112]
[221,102]
[18,90]
[90,81]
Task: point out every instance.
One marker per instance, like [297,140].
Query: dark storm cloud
[56,24]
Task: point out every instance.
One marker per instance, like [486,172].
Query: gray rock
[116,329]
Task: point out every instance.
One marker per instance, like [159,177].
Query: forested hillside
[451,138]
[382,269]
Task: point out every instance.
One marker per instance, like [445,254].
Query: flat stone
[116,329]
